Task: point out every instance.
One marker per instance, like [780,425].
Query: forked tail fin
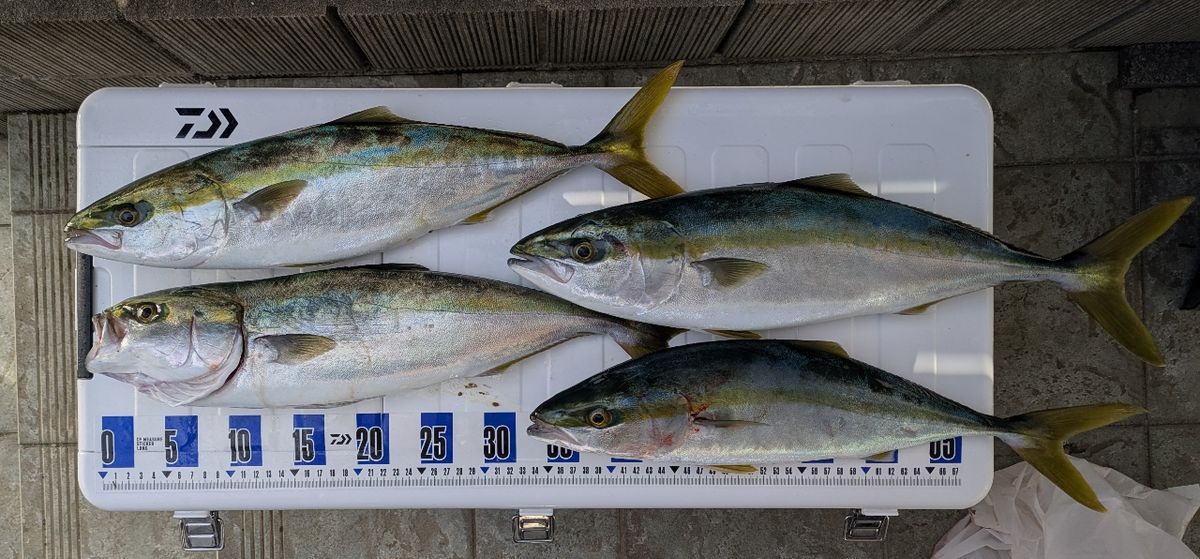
[621,141]
[1098,286]
[1038,438]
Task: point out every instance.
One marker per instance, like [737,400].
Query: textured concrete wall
[57,51]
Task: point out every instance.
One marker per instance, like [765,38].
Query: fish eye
[599,418]
[147,312]
[127,215]
[584,251]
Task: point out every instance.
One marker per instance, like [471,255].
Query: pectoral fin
[293,349]
[269,202]
[728,273]
[736,468]
[736,334]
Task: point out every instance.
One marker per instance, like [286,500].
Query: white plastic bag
[1025,516]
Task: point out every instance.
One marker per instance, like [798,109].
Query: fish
[336,336]
[737,405]
[357,185]
[820,248]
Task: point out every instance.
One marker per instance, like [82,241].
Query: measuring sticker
[499,445]
[371,438]
[308,439]
[116,441]
[181,441]
[245,440]
[436,434]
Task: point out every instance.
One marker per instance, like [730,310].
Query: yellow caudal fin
[1038,438]
[621,141]
[1098,285]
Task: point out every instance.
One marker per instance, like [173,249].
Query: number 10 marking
[245,440]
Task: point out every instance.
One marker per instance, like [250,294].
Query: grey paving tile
[716,533]
[44,341]
[567,78]
[5,195]
[50,501]
[10,494]
[797,28]
[1048,107]
[377,533]
[1014,24]
[581,534]
[231,38]
[1156,65]
[258,534]
[800,73]
[1162,21]
[97,47]
[8,374]
[915,532]
[1168,267]
[1048,353]
[617,31]
[1168,121]
[1175,460]
[128,535]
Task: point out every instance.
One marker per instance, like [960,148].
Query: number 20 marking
[370,443]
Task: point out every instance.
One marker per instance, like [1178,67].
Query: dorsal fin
[373,115]
[839,182]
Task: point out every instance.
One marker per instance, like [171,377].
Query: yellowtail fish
[337,336]
[738,404]
[821,248]
[353,186]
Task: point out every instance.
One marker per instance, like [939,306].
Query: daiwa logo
[215,123]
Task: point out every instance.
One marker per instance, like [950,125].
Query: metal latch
[866,528]
[533,526]
[200,530]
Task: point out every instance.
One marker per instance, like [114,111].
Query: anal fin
[735,468]
[736,334]
[920,308]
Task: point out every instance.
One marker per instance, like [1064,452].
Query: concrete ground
[1075,155]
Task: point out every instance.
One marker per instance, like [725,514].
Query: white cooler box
[463,443]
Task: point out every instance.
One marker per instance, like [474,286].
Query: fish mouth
[76,238]
[107,334]
[532,267]
[544,431]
